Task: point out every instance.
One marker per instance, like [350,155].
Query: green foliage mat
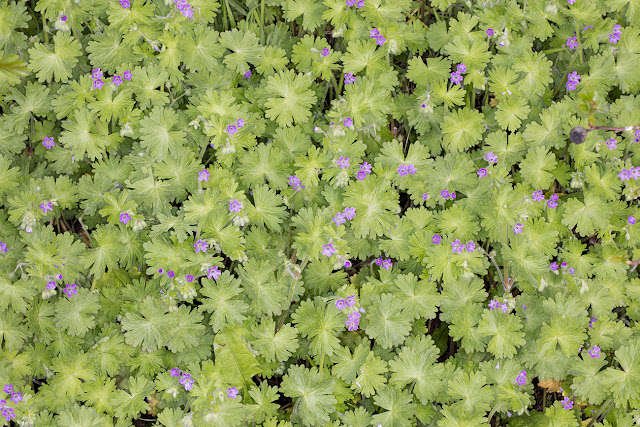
[319,213]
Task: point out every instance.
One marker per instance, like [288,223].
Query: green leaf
[462,129]
[221,300]
[511,112]
[274,346]
[244,47]
[160,134]
[57,64]
[313,394]
[311,11]
[587,217]
[375,206]
[319,322]
[234,359]
[149,329]
[418,298]
[130,404]
[290,98]
[398,405]
[416,363]
[85,134]
[76,315]
[187,330]
[504,330]
[267,208]
[385,321]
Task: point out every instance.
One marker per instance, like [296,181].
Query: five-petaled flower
[471,247]
[117,80]
[594,352]
[567,403]
[407,169]
[339,218]
[522,378]
[615,36]
[376,35]
[349,79]
[572,80]
[553,266]
[235,205]
[325,52]
[232,130]
[436,239]
[127,75]
[631,220]
[490,157]
[46,206]
[489,32]
[351,300]
[203,175]
[125,4]
[538,196]
[343,162]
[175,372]
[232,393]
[186,381]
[340,304]
[328,249]
[48,142]
[482,172]
[247,75]
[214,272]
[493,304]
[517,229]
[365,169]
[348,122]
[295,182]
[553,201]
[572,43]
[457,246]
[70,289]
[201,245]
[125,217]
[612,144]
[349,213]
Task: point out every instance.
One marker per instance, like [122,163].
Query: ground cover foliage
[319,213]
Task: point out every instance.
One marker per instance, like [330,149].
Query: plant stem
[290,296]
[600,412]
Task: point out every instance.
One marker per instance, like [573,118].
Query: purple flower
[445,194]
[349,79]
[63,18]
[97,84]
[489,32]
[615,36]
[631,220]
[425,196]
[553,201]
[365,169]
[517,229]
[16,397]
[232,130]
[347,264]
[436,239]
[170,274]
[360,4]
[51,285]
[572,80]
[125,4]
[339,219]
[566,403]
[203,175]
[175,372]
[349,213]
[201,245]
[325,52]
[456,78]
[190,278]
[117,80]
[96,74]
[125,217]
[471,247]
[186,381]
[461,68]
[235,205]
[351,301]
[572,270]
[340,304]
[571,1]
[563,265]
[48,142]
[572,43]
[295,182]
[387,264]
[493,304]
[214,272]
[348,122]
[612,144]
[522,378]
[328,249]
[247,75]
[376,35]
[592,321]
[504,307]
[127,75]
[625,175]
[70,289]
[482,172]
[343,162]
[553,266]
[46,206]
[490,157]
[232,393]
[8,388]
[240,123]
[457,246]
[351,2]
